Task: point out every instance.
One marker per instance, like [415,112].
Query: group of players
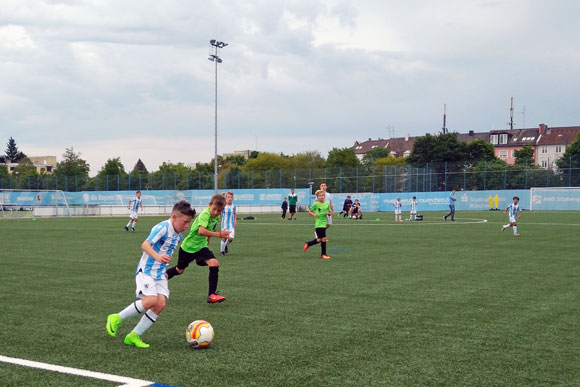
[152,275]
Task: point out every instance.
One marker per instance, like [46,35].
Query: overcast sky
[131,78]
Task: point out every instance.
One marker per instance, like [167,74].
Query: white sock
[222,246]
[129,224]
[132,224]
[515,230]
[132,310]
[145,323]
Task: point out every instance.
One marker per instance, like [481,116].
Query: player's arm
[312,213]
[506,210]
[129,205]
[216,234]
[147,247]
[519,213]
[235,217]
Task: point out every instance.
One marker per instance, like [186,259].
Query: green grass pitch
[425,303]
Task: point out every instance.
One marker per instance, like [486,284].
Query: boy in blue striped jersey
[151,282]
[134,205]
[229,222]
[515,213]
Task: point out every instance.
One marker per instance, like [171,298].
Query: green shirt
[321,209]
[195,242]
[292,199]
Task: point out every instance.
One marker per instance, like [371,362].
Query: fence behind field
[384,179]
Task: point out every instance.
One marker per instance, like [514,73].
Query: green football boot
[134,339]
[113,322]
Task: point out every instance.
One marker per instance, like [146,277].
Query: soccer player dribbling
[195,246]
[515,213]
[151,284]
[319,210]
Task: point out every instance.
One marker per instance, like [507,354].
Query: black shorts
[292,208]
[320,232]
[199,257]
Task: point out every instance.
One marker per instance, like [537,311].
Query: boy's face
[323,186]
[180,222]
[229,199]
[138,195]
[320,197]
[516,200]
[215,210]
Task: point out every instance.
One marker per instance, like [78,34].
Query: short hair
[515,197]
[228,193]
[184,208]
[138,192]
[218,200]
[414,197]
[319,192]
[348,196]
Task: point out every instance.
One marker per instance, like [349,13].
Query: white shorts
[133,215]
[149,286]
[512,219]
[397,212]
[328,220]
[232,232]
[414,212]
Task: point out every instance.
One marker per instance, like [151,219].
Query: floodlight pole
[215,47]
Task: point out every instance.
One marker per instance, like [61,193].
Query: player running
[229,222]
[515,213]
[134,208]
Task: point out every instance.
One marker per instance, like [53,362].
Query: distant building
[244,153]
[507,141]
[397,147]
[43,164]
[552,143]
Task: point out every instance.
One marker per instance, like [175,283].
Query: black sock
[323,248]
[213,279]
[172,272]
[312,242]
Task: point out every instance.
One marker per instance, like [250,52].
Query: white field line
[384,223]
[126,382]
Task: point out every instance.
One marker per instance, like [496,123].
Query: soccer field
[417,303]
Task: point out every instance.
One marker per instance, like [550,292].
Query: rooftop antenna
[524,116]
[511,123]
[444,129]
[390,131]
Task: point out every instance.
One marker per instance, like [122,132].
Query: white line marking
[127,382]
[381,223]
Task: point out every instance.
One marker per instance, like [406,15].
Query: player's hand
[164,258]
[226,232]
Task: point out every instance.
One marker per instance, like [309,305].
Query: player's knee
[213,262]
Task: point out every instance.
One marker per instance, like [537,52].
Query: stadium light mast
[444,129]
[214,52]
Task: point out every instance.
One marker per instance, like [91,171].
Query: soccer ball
[199,334]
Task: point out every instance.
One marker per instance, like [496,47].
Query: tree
[309,159]
[139,168]
[25,167]
[12,152]
[71,164]
[342,157]
[391,161]
[112,175]
[3,171]
[374,154]
[437,149]
[524,155]
[571,155]
[266,161]
[479,150]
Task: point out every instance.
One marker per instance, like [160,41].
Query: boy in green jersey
[194,246]
[320,209]
[292,200]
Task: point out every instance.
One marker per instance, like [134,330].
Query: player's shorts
[397,212]
[292,208]
[320,232]
[328,220]
[133,215]
[512,219]
[149,286]
[199,257]
[232,232]
[413,212]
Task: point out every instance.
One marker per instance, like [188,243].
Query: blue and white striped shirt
[135,204]
[513,210]
[229,216]
[413,205]
[164,240]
